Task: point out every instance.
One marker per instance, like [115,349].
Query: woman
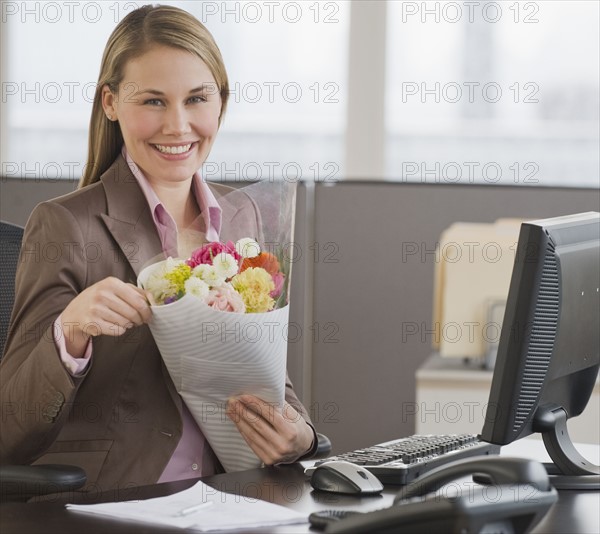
[82,381]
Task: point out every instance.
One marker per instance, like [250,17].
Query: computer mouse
[338,476]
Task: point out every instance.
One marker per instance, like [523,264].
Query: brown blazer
[121,420]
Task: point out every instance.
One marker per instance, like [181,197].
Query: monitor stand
[570,470]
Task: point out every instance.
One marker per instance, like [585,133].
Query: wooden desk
[573,513]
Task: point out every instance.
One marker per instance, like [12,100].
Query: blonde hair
[139,31]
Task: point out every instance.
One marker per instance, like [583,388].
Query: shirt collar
[209,207]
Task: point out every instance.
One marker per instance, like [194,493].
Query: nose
[176,121]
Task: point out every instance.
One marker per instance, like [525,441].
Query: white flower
[201,270]
[171,263]
[247,247]
[196,287]
[225,265]
[158,285]
[209,274]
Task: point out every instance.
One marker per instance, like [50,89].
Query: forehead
[167,66]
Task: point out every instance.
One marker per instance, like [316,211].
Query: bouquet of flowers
[220,317]
[228,277]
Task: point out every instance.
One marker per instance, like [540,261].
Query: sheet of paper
[224,511]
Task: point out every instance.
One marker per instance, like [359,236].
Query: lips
[174,149]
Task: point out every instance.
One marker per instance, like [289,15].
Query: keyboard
[402,460]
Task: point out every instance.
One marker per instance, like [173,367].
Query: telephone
[512,496]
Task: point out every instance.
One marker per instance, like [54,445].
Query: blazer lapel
[128,217]
[130,222]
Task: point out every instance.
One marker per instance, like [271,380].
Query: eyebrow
[156,92]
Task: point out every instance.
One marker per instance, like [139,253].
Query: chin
[179,170]
[179,175]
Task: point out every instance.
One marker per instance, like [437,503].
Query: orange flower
[266,260]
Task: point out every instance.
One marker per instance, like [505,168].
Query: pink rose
[225,298]
[278,279]
[206,253]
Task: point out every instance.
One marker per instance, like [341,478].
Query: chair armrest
[21,482]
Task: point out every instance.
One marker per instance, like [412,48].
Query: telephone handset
[514,496]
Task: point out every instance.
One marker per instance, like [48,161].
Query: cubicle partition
[373,291]
[362,290]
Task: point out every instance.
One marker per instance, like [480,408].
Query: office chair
[10,239]
[22,482]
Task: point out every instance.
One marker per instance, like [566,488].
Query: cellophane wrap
[213,355]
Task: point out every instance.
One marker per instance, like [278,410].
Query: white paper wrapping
[212,355]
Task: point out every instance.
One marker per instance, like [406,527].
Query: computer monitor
[548,354]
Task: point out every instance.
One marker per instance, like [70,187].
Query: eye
[197,99]
[153,102]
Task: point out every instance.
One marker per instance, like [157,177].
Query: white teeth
[173,149]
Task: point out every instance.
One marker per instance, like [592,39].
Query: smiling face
[168,108]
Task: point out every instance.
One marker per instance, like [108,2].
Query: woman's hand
[275,435]
[108,307]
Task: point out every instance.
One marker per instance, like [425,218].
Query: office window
[493,92]
[286,63]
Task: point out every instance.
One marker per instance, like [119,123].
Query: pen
[192,509]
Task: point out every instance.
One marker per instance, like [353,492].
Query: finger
[111,305]
[267,410]
[256,427]
[104,305]
[283,424]
[103,327]
[136,296]
[275,415]
[291,436]
[145,311]
[131,303]
[150,299]
[290,414]
[147,299]
[279,419]
[109,323]
[239,411]
[260,445]
[282,421]
[139,290]
[272,445]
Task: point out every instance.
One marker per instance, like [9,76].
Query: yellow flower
[254,285]
[178,275]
